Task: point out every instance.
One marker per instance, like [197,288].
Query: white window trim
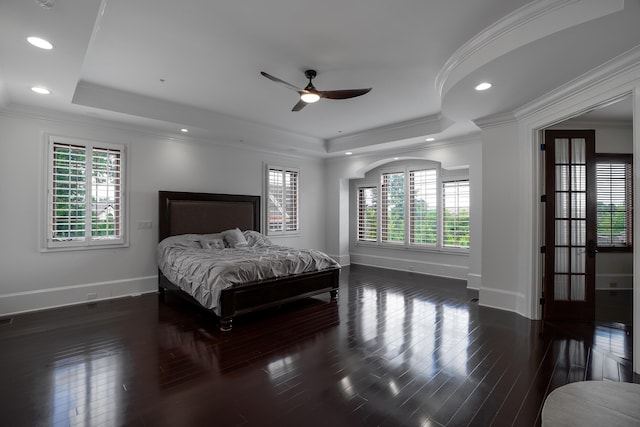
[452,178]
[443,175]
[46,244]
[388,243]
[609,159]
[358,188]
[438,244]
[265,202]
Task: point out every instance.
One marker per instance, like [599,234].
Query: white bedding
[204,272]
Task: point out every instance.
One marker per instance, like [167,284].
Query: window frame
[383,236]
[457,181]
[268,167]
[361,230]
[442,176]
[48,243]
[411,202]
[627,159]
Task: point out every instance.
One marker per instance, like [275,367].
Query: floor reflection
[412,332]
[396,349]
[612,339]
[198,350]
[85,391]
[414,349]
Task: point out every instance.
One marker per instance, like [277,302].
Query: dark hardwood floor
[397,349]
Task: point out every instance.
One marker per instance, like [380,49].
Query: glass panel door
[569,263]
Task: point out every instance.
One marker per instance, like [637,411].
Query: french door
[570,225]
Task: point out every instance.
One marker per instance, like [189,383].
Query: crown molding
[509,32]
[100,124]
[619,124]
[412,150]
[622,70]
[422,126]
[495,120]
[210,122]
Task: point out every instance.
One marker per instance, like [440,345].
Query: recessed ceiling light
[483,86]
[348,153]
[430,139]
[41,90]
[185,130]
[41,43]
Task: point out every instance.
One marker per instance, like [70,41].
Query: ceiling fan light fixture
[310,94]
[310,97]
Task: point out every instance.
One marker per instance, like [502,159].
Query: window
[282,200]
[437,215]
[423,210]
[368,214]
[614,189]
[85,194]
[393,207]
[455,214]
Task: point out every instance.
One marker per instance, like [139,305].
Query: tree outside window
[393,207]
[437,215]
[614,201]
[85,194]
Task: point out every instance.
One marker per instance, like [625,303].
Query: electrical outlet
[144,225]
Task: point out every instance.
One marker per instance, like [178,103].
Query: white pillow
[256,239]
[235,238]
[212,244]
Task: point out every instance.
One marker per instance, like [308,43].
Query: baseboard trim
[24,302]
[474,281]
[431,268]
[499,299]
[343,260]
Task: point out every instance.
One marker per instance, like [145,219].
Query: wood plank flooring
[396,349]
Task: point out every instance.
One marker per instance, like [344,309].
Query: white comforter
[203,273]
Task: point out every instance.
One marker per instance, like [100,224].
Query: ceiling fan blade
[342,94]
[277,80]
[299,106]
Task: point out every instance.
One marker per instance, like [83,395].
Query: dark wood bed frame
[204,213]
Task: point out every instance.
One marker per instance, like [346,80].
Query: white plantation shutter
[368,214]
[392,213]
[282,195]
[414,207]
[85,194]
[68,193]
[455,215]
[614,201]
[276,200]
[423,207]
[106,193]
[291,200]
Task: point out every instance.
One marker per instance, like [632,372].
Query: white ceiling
[196,63]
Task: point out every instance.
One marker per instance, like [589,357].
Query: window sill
[84,247]
[283,235]
[403,247]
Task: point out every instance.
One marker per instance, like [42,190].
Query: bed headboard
[204,213]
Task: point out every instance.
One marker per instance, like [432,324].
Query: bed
[183,213]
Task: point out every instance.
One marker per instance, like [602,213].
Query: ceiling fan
[310,94]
